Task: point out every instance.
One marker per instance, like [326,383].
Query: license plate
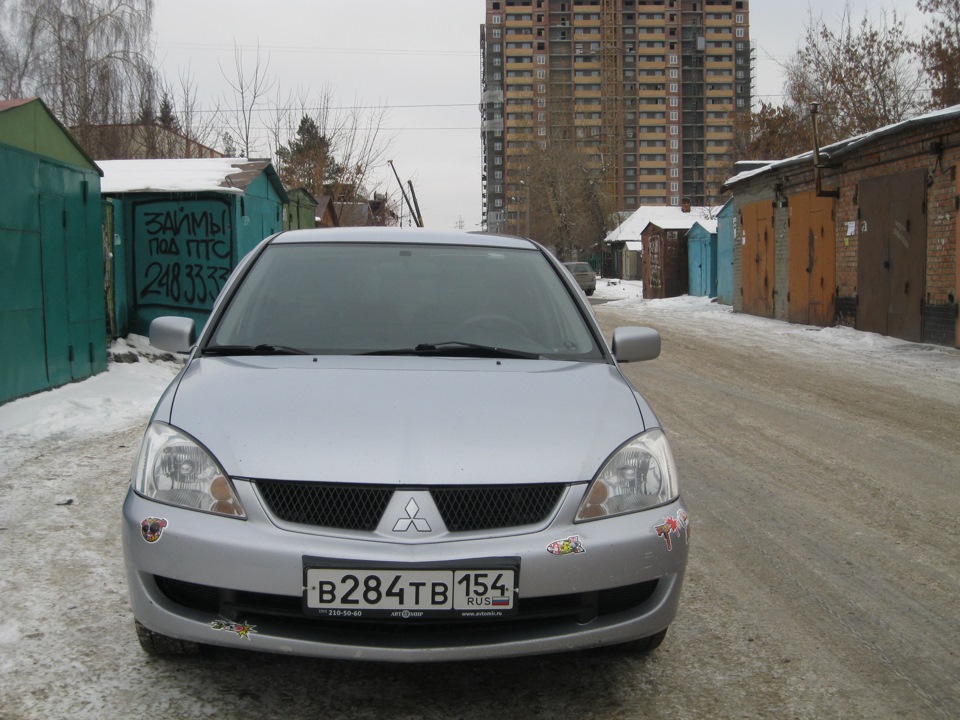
[374,591]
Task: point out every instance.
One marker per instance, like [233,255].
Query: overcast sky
[420,59]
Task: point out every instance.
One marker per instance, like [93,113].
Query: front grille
[347,507]
[360,507]
[487,508]
[579,608]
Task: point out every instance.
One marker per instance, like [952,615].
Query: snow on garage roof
[848,145]
[663,216]
[224,175]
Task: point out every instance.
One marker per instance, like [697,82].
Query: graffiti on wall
[183,252]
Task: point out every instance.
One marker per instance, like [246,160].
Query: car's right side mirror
[173,334]
[633,344]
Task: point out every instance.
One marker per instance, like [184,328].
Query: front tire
[160,645]
[647,644]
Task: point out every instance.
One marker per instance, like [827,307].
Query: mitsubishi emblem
[403,524]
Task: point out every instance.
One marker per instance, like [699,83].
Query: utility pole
[415,215]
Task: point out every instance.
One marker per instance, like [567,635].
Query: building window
[673,87]
[673,130]
[496,32]
[674,200]
[674,172]
[674,116]
[674,144]
[541,74]
[541,131]
[740,32]
[673,59]
[674,73]
[675,159]
[739,19]
[674,187]
[673,102]
[495,19]
[541,59]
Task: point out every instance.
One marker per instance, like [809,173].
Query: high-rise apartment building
[645,90]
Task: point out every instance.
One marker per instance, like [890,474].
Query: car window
[356,297]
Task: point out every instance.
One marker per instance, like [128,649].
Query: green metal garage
[52,317]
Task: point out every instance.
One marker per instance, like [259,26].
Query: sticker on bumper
[242,629]
[151,528]
[569,546]
[673,526]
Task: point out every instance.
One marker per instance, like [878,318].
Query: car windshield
[366,298]
[579,267]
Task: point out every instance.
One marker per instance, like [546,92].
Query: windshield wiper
[459,349]
[262,349]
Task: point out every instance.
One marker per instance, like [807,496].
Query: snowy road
[822,469]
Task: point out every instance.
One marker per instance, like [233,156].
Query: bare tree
[249,88]
[864,75]
[563,199]
[771,132]
[88,59]
[939,51]
[196,123]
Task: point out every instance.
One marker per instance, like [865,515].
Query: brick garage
[876,249]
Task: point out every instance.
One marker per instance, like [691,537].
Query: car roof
[403,236]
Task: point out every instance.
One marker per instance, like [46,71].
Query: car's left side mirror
[634,344]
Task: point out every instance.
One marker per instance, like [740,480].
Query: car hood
[405,420]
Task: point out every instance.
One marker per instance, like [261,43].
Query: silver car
[403,445]
[584,275]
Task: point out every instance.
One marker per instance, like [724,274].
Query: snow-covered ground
[126,393]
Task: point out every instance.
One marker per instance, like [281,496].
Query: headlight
[173,468]
[640,475]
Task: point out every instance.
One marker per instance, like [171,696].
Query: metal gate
[892,255]
[813,254]
[758,258]
[56,309]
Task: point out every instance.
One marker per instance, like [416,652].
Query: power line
[303,49]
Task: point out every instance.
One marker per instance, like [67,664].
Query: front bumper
[239,583]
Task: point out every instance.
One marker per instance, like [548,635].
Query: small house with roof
[301,210]
[651,245]
[52,325]
[178,229]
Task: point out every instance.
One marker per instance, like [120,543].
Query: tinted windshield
[355,298]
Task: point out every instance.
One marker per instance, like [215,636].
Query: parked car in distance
[403,445]
[584,275]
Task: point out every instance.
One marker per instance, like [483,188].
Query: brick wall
[934,148]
